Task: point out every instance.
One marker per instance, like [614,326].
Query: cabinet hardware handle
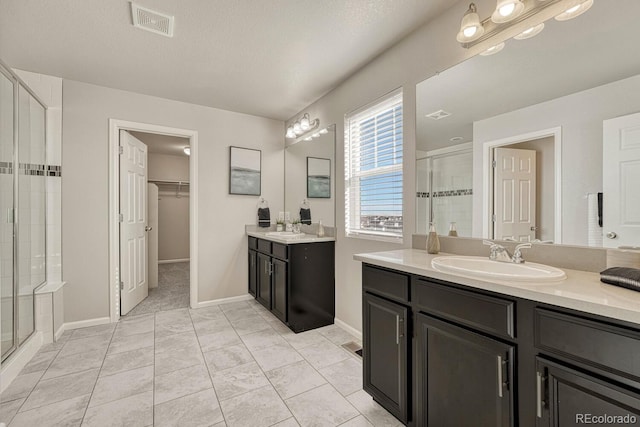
[270,269]
[499,358]
[399,334]
[538,394]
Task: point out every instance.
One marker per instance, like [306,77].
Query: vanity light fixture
[509,13]
[578,9]
[301,126]
[493,49]
[187,150]
[530,32]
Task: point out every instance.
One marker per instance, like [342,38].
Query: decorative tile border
[6,168]
[446,193]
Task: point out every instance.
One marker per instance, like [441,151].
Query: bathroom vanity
[294,278]
[446,350]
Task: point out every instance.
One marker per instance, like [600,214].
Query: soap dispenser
[433,243]
[453,232]
[320,229]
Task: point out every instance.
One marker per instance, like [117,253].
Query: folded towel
[625,277]
[305,216]
[264,217]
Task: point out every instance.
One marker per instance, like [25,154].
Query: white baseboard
[353,331]
[171,261]
[213,302]
[58,333]
[83,324]
[18,360]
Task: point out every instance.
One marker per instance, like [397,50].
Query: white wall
[222,242]
[173,209]
[430,49]
[580,115]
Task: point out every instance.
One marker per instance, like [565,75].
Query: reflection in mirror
[549,120]
[310,177]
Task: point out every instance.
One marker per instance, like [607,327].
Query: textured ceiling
[567,57]
[264,57]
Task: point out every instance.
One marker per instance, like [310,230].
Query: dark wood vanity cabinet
[477,358]
[294,281]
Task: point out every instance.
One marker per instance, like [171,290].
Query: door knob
[612,235]
[148,228]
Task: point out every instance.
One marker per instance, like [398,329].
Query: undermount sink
[287,235]
[482,267]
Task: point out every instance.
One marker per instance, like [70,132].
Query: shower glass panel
[7,294]
[31,208]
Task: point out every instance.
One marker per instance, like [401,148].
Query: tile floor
[229,365]
[172,291]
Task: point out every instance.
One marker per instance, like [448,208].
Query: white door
[152,213]
[133,236]
[514,194]
[621,178]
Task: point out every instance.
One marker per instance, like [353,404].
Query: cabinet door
[463,378]
[253,272]
[567,397]
[385,354]
[264,280]
[279,282]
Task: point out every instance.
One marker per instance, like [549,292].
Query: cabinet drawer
[483,312]
[386,283]
[280,251]
[611,348]
[264,246]
[253,243]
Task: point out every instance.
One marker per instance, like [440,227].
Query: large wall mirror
[309,178]
[541,141]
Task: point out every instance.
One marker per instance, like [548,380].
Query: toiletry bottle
[452,230]
[433,243]
[320,229]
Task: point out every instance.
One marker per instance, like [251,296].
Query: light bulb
[574,11]
[470,31]
[290,132]
[297,128]
[304,123]
[316,135]
[187,150]
[507,9]
[493,49]
[323,131]
[530,32]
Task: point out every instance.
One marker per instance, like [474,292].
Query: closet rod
[165,181]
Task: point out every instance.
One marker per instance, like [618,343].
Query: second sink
[482,267]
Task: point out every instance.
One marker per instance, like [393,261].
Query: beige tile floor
[172,290]
[228,365]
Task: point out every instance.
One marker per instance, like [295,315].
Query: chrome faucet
[500,253]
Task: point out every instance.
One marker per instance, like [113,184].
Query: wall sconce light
[509,13]
[302,126]
[187,150]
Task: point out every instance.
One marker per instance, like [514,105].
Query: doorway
[522,187]
[171,176]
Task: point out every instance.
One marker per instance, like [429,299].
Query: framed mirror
[309,176]
[539,142]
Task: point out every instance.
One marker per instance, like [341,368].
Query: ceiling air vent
[437,115]
[153,21]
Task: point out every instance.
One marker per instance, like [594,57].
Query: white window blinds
[373,169]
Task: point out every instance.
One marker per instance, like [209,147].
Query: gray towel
[305,216]
[264,217]
[622,276]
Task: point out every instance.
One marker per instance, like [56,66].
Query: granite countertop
[303,238]
[581,290]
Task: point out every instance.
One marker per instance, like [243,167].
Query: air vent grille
[153,21]
[437,115]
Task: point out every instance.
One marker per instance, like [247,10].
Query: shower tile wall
[49,90]
[450,192]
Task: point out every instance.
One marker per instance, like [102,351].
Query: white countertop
[303,238]
[581,290]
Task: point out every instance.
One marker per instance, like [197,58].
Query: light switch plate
[287,216]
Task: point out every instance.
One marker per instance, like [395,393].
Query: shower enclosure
[22,215]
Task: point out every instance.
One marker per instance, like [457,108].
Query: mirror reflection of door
[514,211]
[621,175]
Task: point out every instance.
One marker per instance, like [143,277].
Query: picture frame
[245,171]
[318,178]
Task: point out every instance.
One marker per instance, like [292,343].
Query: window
[373,169]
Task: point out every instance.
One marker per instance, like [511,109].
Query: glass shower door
[31,208]
[7,294]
